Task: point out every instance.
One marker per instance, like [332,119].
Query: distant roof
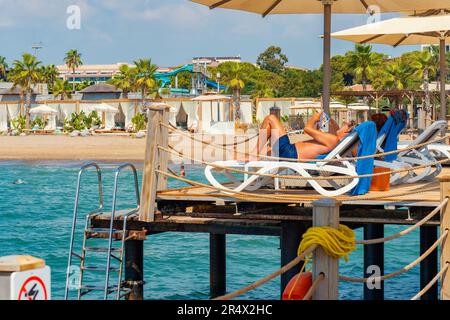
[100,88]
[13,91]
[359,87]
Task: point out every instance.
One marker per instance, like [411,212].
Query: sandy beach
[102,148]
[108,148]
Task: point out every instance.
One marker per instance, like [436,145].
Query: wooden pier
[196,210]
[287,214]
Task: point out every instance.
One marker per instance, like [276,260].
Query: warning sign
[31,285]
[33,289]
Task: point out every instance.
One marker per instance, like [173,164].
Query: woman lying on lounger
[322,142]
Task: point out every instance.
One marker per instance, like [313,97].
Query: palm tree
[62,88]
[50,73]
[145,80]
[3,67]
[125,80]
[399,75]
[236,82]
[73,61]
[362,62]
[425,65]
[26,73]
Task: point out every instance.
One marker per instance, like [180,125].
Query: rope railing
[408,230]
[378,155]
[287,199]
[314,286]
[301,178]
[270,277]
[404,269]
[431,283]
[222,144]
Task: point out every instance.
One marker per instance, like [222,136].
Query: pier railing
[326,241]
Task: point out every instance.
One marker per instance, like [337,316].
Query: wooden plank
[445,246]
[164,157]
[326,213]
[149,179]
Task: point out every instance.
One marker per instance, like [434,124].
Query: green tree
[62,88]
[362,61]
[50,73]
[234,77]
[272,60]
[26,73]
[425,65]
[145,77]
[3,68]
[84,84]
[73,61]
[125,80]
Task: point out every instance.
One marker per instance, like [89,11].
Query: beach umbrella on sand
[411,30]
[43,109]
[327,7]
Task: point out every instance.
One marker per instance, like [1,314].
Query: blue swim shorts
[283,148]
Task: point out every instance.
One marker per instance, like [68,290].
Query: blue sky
[168,31]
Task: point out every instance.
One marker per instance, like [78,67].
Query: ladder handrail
[113,212]
[75,214]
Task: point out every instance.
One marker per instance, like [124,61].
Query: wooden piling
[152,162]
[445,246]
[429,266]
[217,265]
[326,213]
[134,268]
[291,236]
[373,258]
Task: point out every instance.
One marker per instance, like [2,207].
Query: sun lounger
[255,182]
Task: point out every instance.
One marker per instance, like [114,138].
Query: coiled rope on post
[337,243]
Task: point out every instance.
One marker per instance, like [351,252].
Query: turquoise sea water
[35,219]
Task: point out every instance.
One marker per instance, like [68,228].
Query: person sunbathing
[321,143]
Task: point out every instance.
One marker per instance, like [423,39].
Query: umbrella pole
[443,72]
[326,55]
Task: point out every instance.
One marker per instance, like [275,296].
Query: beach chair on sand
[303,169]
[425,154]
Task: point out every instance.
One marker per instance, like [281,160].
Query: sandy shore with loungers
[107,148]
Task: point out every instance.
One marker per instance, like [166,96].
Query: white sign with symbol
[31,285]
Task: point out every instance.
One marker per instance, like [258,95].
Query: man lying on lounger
[322,142]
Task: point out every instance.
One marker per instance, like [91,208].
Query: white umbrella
[359,106]
[406,31]
[305,104]
[327,7]
[337,105]
[43,109]
[211,97]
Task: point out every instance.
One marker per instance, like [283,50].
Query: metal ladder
[110,233]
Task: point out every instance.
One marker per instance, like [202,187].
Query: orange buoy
[298,287]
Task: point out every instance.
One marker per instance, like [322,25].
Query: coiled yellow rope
[337,243]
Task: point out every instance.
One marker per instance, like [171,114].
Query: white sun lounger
[420,156]
[255,182]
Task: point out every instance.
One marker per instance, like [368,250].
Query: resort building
[215,61]
[100,91]
[90,72]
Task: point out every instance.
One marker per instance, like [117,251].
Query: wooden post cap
[158,107]
[445,178]
[20,263]
[327,202]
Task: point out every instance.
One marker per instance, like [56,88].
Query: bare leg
[271,125]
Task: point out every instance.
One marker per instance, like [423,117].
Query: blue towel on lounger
[367,132]
[392,128]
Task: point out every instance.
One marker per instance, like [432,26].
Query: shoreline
[112,149]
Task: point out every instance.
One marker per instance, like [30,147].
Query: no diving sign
[31,285]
